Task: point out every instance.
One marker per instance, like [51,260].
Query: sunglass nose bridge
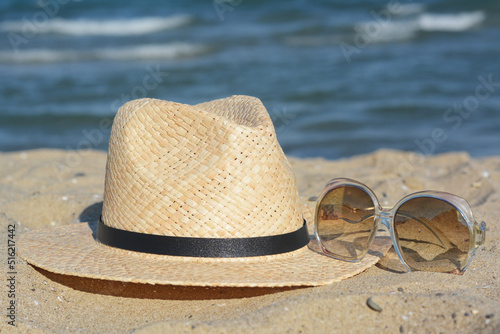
[385,217]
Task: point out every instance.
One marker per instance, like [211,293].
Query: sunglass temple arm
[480,233]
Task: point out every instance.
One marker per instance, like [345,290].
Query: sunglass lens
[432,234]
[345,222]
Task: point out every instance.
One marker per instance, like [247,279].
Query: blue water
[339,78]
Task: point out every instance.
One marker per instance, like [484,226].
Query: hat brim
[73,250]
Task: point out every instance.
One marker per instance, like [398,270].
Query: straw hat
[194,195]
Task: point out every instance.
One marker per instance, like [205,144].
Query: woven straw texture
[214,170]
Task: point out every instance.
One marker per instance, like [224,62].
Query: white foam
[386,31]
[407,9]
[394,31]
[120,27]
[140,52]
[450,22]
[164,51]
[406,29]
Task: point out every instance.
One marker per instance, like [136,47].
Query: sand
[42,188]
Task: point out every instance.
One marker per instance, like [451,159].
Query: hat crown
[214,170]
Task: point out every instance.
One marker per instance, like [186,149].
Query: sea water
[338,78]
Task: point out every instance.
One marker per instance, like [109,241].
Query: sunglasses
[430,230]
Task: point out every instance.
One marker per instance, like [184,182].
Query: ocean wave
[450,22]
[387,29]
[141,52]
[399,30]
[115,27]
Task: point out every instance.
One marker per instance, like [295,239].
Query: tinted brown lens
[432,234]
[345,221]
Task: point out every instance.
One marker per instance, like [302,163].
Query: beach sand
[42,188]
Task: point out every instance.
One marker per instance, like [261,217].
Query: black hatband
[202,247]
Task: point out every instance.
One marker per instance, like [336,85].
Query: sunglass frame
[386,216]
